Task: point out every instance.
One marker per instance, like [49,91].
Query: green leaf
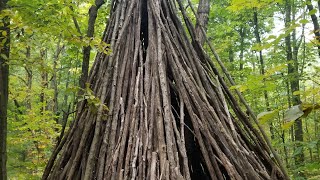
[307,108]
[105,107]
[297,151]
[312,12]
[297,93]
[4,40]
[266,116]
[4,56]
[287,125]
[4,33]
[304,21]
[241,88]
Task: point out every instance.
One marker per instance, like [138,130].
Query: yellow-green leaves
[93,101]
[266,116]
[241,88]
[313,11]
[237,5]
[4,33]
[304,21]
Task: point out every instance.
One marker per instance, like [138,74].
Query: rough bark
[202,19]
[4,81]
[316,27]
[168,113]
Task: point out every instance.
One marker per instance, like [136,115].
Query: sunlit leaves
[267,116]
[304,21]
[312,12]
[237,5]
[93,101]
[33,127]
[31,131]
[241,88]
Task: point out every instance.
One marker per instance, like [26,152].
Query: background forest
[269,46]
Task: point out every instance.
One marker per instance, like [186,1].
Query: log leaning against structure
[170,113]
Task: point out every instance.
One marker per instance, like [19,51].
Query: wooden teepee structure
[171,115]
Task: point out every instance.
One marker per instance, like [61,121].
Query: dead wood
[171,114]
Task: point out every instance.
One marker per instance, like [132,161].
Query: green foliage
[93,101]
[237,5]
[32,133]
[47,27]
[267,116]
[45,62]
[231,30]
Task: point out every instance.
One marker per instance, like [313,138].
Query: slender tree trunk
[285,148]
[242,33]
[54,82]
[29,77]
[231,57]
[4,83]
[316,28]
[288,56]
[319,8]
[293,77]
[262,65]
[93,12]
[44,82]
[202,20]
[293,69]
[316,126]
[309,137]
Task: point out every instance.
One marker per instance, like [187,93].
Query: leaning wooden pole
[170,115]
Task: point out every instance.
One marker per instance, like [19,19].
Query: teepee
[165,111]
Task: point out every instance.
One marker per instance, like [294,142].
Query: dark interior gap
[144,28]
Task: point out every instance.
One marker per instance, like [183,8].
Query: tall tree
[262,65]
[4,81]
[293,76]
[93,12]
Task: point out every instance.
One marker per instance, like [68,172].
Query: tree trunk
[293,77]
[262,65]
[160,114]
[231,57]
[202,19]
[242,36]
[316,28]
[29,77]
[54,82]
[44,81]
[93,12]
[4,81]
